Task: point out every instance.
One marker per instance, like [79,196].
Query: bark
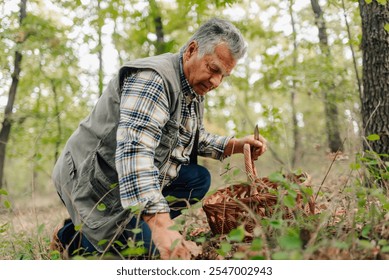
[100,49]
[156,15]
[58,117]
[7,122]
[375,97]
[352,50]
[330,107]
[297,153]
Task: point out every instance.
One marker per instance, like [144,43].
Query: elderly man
[140,144]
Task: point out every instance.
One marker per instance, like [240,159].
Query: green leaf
[239,255]
[276,223]
[292,193]
[276,177]
[341,245]
[386,27]
[237,234]
[365,244]
[7,204]
[280,256]
[298,172]
[383,242]
[290,242]
[256,245]
[119,243]
[55,255]
[355,166]
[133,251]
[289,201]
[3,192]
[175,227]
[225,247]
[307,191]
[382,2]
[385,249]
[134,209]
[373,137]
[101,207]
[136,230]
[4,227]
[365,231]
[201,239]
[368,1]
[102,242]
[257,258]
[174,244]
[170,198]
[78,227]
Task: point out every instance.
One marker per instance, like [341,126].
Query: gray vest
[85,174]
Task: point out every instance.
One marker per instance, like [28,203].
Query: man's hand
[170,243]
[235,145]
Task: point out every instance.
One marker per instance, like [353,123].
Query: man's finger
[180,252]
[164,254]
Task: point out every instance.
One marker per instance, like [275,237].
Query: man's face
[206,73]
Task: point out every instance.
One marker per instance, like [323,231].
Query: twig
[329,169]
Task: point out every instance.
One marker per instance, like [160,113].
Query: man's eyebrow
[220,69]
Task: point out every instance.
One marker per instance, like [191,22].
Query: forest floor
[26,227]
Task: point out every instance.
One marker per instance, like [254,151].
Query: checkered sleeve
[143,112]
[212,145]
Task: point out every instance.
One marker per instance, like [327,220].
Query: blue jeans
[192,184]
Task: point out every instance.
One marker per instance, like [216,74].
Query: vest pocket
[168,140]
[70,164]
[97,196]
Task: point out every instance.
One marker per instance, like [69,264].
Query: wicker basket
[243,203]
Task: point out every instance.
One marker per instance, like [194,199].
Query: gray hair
[215,32]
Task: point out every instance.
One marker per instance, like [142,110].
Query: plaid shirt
[143,113]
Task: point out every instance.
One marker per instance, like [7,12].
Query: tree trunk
[375,97]
[352,49]
[330,108]
[156,15]
[297,154]
[7,122]
[100,48]
[58,117]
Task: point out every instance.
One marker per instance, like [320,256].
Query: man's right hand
[170,243]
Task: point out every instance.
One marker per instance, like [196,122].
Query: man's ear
[191,50]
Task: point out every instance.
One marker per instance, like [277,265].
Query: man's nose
[216,80]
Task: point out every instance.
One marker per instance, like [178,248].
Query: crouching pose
[140,144]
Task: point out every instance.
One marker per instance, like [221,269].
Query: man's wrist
[157,220]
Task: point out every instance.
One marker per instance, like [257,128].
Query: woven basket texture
[245,203]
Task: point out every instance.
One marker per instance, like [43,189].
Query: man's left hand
[235,145]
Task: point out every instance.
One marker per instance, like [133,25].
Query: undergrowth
[351,221]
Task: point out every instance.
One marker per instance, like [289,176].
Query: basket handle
[251,171]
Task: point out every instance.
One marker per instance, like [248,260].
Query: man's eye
[213,69]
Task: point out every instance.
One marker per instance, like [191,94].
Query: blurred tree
[275,85]
[155,13]
[7,121]
[48,98]
[297,151]
[329,91]
[99,22]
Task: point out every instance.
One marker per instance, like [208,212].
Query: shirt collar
[189,93]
